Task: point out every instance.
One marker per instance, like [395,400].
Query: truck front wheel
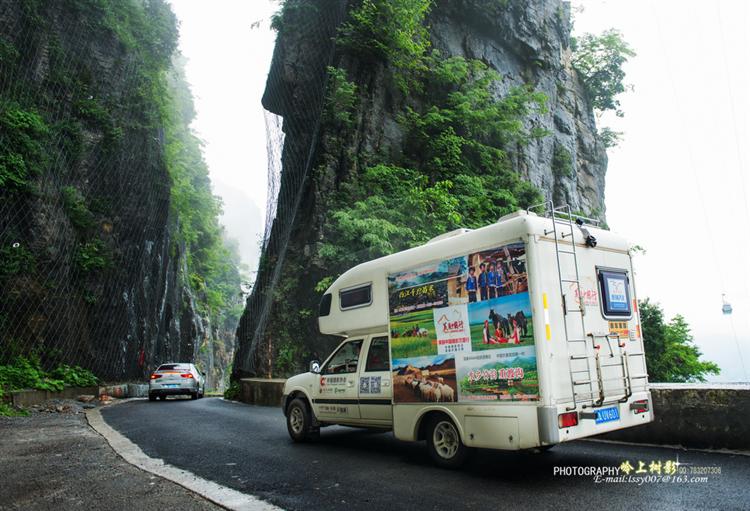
[299,421]
[444,443]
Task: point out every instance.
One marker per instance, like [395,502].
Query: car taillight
[155,376]
[639,406]
[186,375]
[566,420]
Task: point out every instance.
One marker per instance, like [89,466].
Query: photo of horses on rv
[502,322]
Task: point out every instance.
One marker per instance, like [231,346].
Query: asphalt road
[247,448]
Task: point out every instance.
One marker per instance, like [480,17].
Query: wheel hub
[445,439]
[296,420]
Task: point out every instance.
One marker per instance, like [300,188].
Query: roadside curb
[130,452]
[733,452]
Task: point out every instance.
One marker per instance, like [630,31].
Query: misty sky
[676,185]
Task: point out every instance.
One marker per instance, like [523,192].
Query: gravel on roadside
[54,460]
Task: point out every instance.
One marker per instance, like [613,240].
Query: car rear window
[173,367]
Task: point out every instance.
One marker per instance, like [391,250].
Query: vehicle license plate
[607,415]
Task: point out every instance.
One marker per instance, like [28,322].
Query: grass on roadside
[7,410]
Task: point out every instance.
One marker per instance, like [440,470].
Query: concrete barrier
[713,416]
[27,398]
[262,391]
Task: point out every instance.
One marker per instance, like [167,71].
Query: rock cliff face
[92,269]
[526,42]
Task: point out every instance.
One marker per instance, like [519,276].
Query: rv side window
[325,305]
[345,360]
[356,297]
[613,287]
[377,355]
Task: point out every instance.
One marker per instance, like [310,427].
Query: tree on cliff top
[599,60]
[671,355]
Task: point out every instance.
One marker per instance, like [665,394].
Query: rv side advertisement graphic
[461,329]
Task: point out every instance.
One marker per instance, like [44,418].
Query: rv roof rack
[455,232]
[550,210]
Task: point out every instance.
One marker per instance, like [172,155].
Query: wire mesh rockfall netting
[89,267]
[295,94]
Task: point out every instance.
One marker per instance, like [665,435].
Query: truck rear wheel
[299,421]
[444,443]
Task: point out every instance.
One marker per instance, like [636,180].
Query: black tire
[444,442]
[152,397]
[299,421]
[163,398]
[542,449]
[193,395]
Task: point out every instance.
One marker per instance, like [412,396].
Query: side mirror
[315,367]
[204,374]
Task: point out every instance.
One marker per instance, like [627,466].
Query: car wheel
[299,421]
[444,443]
[152,397]
[193,395]
[163,398]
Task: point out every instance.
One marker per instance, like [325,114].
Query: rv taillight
[639,406]
[186,375]
[566,420]
[155,376]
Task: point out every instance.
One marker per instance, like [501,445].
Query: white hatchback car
[176,379]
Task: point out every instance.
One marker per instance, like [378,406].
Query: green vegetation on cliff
[454,171]
[95,142]
[599,60]
[459,123]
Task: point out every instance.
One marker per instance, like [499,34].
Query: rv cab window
[325,305]
[345,360]
[377,356]
[613,287]
[356,297]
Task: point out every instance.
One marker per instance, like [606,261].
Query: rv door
[337,397]
[375,382]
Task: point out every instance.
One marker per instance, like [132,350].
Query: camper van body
[585,369]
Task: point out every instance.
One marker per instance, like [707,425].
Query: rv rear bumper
[551,433]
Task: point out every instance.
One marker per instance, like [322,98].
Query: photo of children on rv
[497,272]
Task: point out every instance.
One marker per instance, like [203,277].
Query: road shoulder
[53,460]
[130,452]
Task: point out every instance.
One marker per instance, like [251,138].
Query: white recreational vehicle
[522,334]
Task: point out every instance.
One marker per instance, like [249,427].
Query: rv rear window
[325,305]
[356,297]
[613,285]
